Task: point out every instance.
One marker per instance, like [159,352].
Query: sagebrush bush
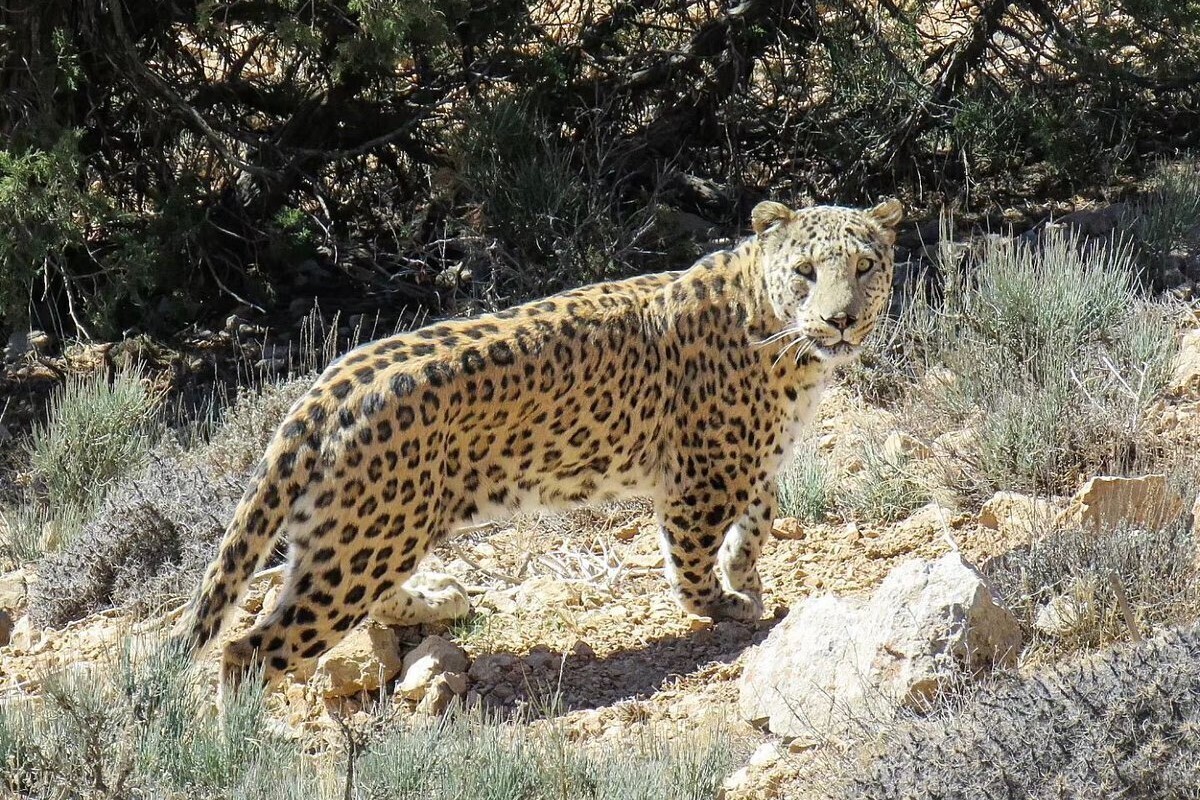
[97,429]
[886,489]
[1050,355]
[1167,217]
[242,432]
[148,543]
[141,725]
[1156,569]
[32,529]
[805,486]
[469,756]
[1121,723]
[137,725]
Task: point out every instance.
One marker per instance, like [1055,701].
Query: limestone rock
[900,447]
[788,528]
[1196,521]
[25,638]
[957,443]
[1066,613]
[1016,516]
[832,660]
[363,661]
[14,588]
[443,690]
[1106,502]
[1185,373]
[426,664]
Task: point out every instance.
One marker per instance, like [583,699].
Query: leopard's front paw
[737,606]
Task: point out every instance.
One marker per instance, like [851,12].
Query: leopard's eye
[863,265]
[804,269]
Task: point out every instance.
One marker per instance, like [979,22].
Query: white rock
[1106,502]
[363,661]
[1185,373]
[831,660]
[443,690]
[24,637]
[1016,516]
[427,661]
[900,447]
[14,587]
[1065,613]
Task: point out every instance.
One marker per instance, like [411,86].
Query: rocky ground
[572,625]
[572,619]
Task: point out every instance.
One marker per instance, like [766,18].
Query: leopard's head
[828,272]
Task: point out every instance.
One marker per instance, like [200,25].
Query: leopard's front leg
[693,526]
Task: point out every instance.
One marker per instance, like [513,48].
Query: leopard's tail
[257,523]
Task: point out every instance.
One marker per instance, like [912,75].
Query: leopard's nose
[840,321]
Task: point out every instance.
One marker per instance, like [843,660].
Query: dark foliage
[164,161]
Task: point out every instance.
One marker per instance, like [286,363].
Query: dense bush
[138,726]
[98,429]
[1121,723]
[159,166]
[147,545]
[1156,571]
[1045,348]
[806,486]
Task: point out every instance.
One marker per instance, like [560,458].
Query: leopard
[690,388]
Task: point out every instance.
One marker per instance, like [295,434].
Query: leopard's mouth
[835,351]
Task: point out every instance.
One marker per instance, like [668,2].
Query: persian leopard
[687,386]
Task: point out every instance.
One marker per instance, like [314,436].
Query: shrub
[557,220]
[1052,357]
[32,530]
[144,548]
[1122,723]
[140,726]
[148,544]
[97,430]
[41,210]
[470,756]
[1167,216]
[805,488]
[134,726]
[886,489]
[1157,571]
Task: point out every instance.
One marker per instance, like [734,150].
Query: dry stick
[1123,602]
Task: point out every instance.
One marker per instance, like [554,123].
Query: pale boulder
[900,447]
[1107,502]
[1185,372]
[1016,516]
[831,661]
[14,588]
[433,673]
[365,660]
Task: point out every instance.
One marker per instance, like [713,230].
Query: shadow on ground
[545,681]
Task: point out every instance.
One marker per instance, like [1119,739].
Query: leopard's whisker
[799,340]
[775,337]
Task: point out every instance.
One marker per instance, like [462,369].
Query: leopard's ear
[767,214]
[888,213]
